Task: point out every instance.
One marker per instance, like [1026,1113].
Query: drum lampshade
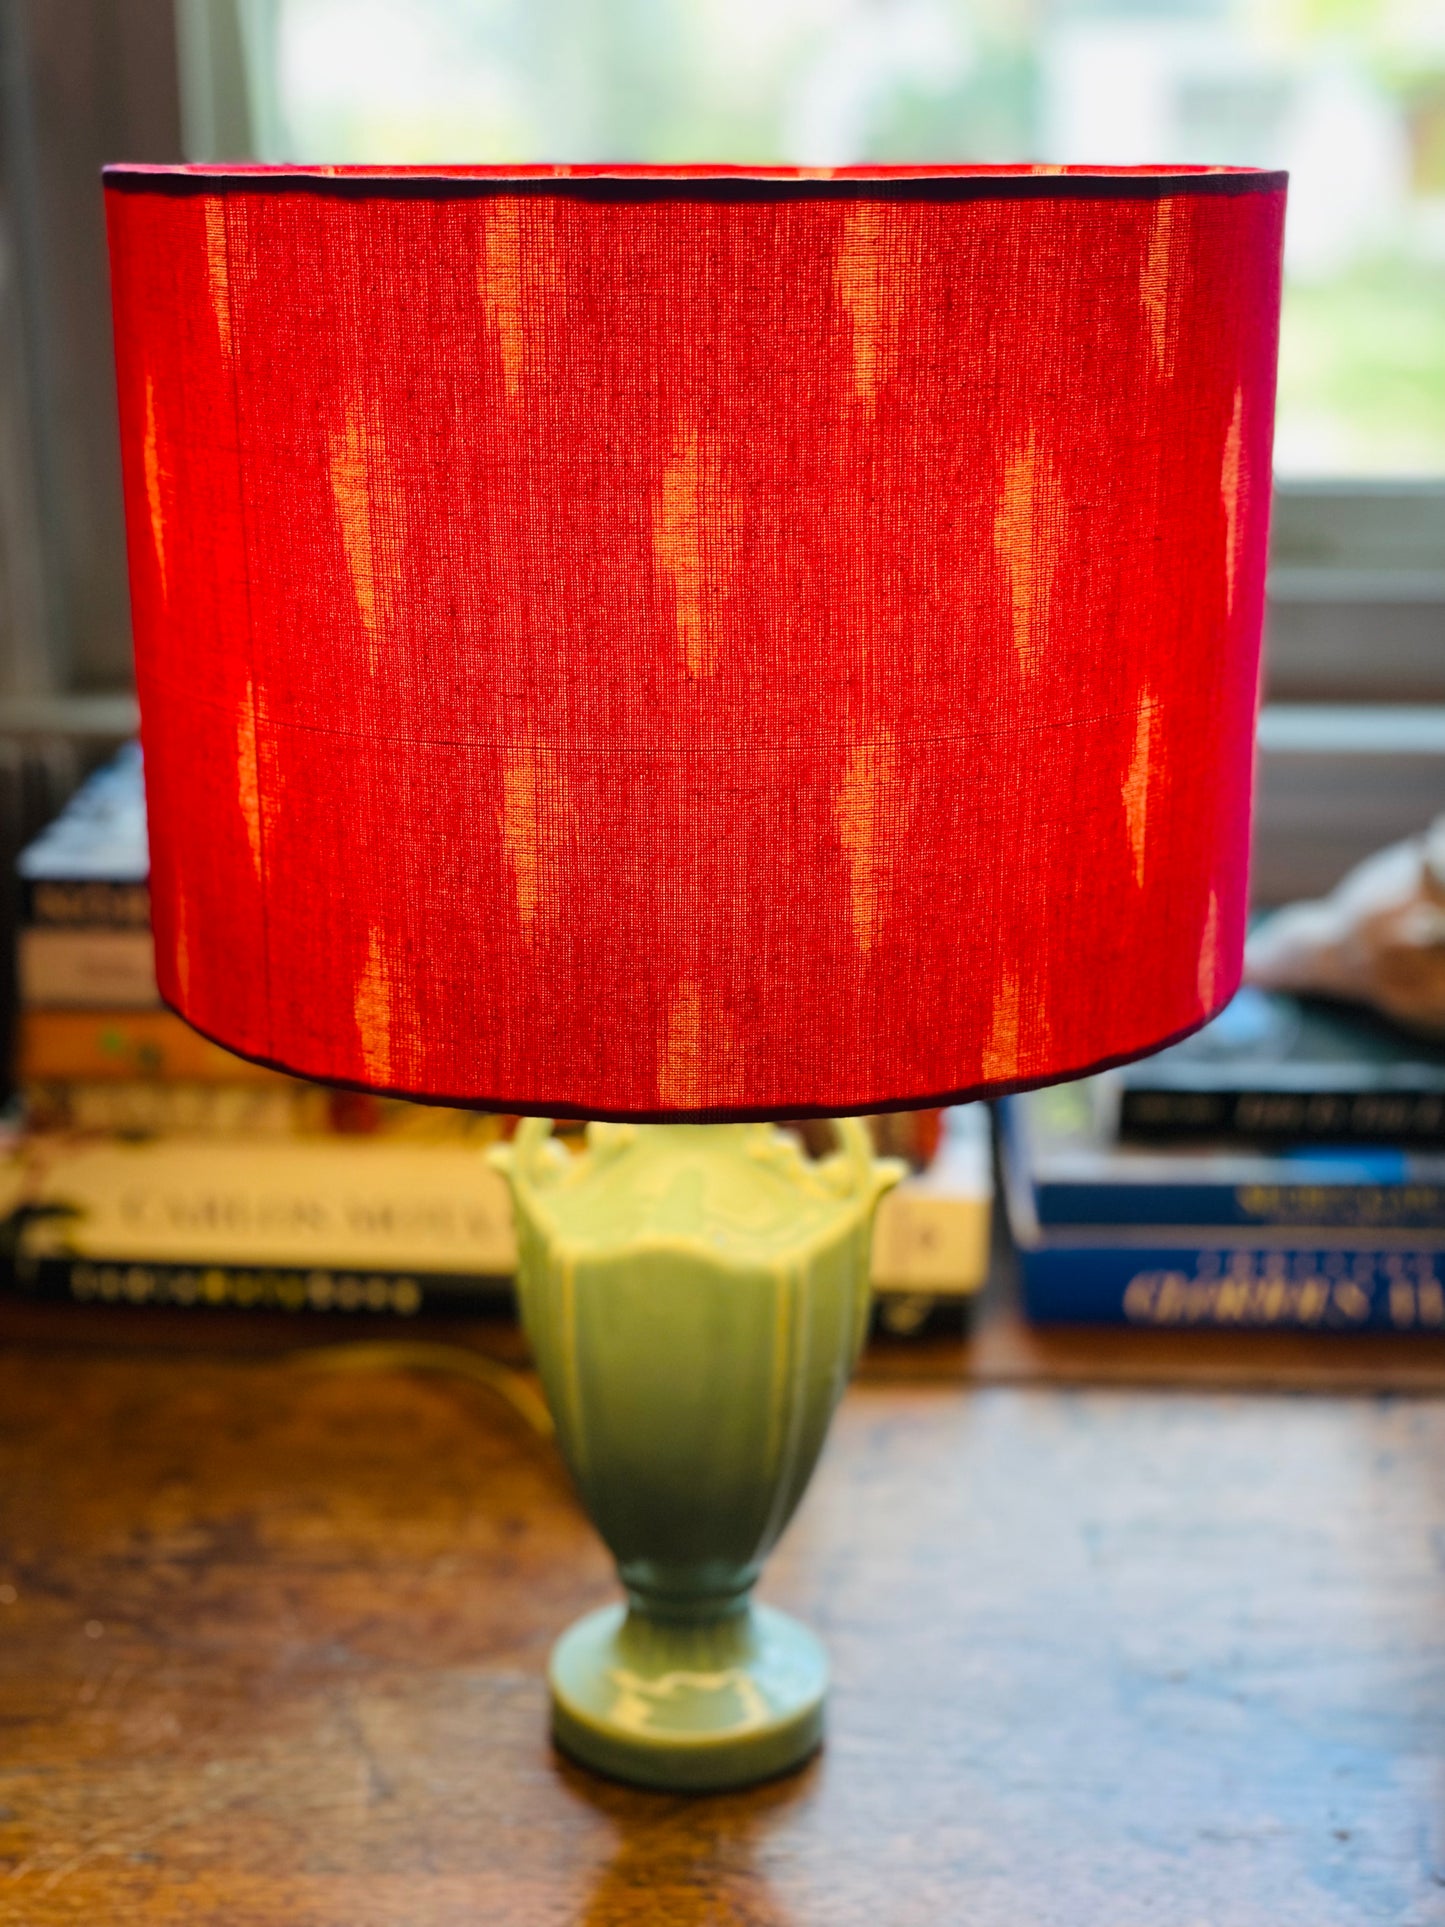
[696,643]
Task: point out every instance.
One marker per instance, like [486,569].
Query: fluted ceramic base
[695,1295]
[687,1706]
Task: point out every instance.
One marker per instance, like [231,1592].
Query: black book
[1280,1070]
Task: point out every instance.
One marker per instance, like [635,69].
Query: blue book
[1287,1281]
[1283,1277]
[1062,1147]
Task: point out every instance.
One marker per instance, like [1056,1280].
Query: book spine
[280,1107]
[50,903]
[102,1046]
[1399,1117]
[206,1288]
[1358,1207]
[260,1287]
[1311,1288]
[87,970]
[137,1108]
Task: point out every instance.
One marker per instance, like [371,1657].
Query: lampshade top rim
[645,180]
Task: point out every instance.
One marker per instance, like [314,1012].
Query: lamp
[692,646]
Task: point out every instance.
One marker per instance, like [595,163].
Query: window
[1348,94]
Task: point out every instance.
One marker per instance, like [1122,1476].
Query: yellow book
[387,1223]
[89,1046]
[342,1203]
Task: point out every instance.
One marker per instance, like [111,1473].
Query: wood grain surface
[271,1649]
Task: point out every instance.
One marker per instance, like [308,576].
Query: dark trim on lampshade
[713,1114]
[644,185]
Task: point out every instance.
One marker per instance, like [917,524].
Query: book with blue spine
[1188,1278]
[1115,1225]
[1282,1276]
[1062,1143]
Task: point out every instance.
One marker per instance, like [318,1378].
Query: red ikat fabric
[696,644]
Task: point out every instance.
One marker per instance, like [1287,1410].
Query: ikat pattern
[690,644]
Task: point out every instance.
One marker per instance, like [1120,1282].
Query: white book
[931,1234]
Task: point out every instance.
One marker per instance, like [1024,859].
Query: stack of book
[152,1167]
[96,1052]
[1284,1167]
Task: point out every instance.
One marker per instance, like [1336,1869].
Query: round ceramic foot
[685,1706]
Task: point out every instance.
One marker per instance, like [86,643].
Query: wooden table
[271,1649]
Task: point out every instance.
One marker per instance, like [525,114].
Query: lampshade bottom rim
[513,1106]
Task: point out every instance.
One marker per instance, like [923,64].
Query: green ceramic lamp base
[688,1706]
[695,1296]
